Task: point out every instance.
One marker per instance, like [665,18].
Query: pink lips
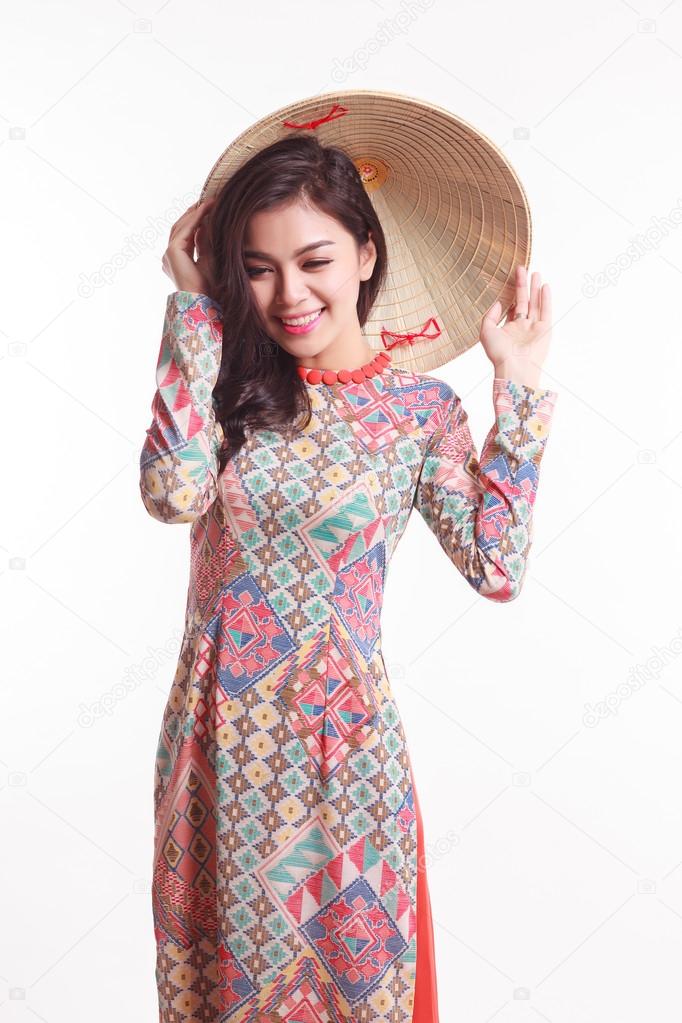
[304,328]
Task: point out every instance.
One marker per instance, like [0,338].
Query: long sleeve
[179,459]
[482,511]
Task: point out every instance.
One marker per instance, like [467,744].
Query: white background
[555,834]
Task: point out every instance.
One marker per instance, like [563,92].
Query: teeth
[301,319]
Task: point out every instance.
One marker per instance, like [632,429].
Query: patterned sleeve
[481,512]
[179,458]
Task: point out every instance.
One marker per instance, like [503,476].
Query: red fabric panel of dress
[426,992]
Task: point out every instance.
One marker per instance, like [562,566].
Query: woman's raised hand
[518,349]
[188,233]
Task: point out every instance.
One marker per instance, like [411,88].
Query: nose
[291,289]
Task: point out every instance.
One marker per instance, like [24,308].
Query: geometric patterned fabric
[285,855]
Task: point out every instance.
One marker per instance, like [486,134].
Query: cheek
[260,295]
[343,286]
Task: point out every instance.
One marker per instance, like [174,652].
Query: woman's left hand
[518,349]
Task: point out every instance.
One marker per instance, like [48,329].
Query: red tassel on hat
[401,339]
[336,111]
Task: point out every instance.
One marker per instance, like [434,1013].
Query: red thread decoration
[401,339]
[336,111]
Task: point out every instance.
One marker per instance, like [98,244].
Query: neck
[342,353]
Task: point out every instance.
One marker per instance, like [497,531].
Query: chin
[300,349]
[302,344]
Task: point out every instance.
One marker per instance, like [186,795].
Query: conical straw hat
[455,215]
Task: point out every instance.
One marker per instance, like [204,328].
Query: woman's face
[288,282]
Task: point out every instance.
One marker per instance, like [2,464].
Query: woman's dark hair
[258,385]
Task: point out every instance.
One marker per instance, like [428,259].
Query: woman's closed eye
[312,263]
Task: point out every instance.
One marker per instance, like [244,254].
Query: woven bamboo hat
[454,213]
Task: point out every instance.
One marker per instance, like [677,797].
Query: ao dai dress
[287,883]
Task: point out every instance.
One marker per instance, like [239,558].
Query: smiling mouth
[300,321]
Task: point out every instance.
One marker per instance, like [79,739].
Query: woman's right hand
[188,233]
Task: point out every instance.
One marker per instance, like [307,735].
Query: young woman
[289,878]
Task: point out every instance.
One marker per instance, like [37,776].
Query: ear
[368,258]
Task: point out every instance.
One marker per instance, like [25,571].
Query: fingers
[191,217]
[534,305]
[188,234]
[524,305]
[493,313]
[521,300]
[546,304]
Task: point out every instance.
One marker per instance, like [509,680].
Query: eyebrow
[306,248]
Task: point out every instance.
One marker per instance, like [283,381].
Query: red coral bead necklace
[343,376]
